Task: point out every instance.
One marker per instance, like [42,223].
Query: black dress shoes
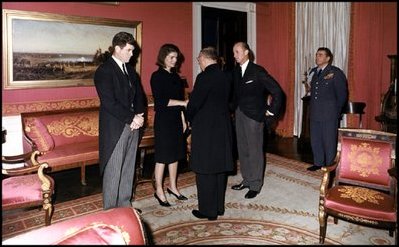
[199,215]
[162,203]
[239,187]
[251,194]
[179,197]
[313,168]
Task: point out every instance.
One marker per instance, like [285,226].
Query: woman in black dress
[169,123]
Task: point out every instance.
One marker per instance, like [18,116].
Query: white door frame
[250,8]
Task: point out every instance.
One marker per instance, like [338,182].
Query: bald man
[252,87]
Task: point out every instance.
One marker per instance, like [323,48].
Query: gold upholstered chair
[25,185]
[358,187]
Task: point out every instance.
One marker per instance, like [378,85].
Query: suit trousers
[118,175]
[323,139]
[211,190]
[250,150]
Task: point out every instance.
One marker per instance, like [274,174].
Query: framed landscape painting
[52,50]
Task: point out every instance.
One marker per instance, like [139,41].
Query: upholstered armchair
[115,226]
[358,187]
[26,186]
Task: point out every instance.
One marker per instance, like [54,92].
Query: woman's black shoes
[179,197]
[162,203]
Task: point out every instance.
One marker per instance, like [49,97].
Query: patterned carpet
[285,212]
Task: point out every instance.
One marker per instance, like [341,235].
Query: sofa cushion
[38,133]
[70,154]
[69,128]
[24,189]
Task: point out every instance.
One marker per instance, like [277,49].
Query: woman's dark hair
[164,51]
[328,53]
[121,39]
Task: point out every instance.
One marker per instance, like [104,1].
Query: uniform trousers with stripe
[118,175]
[323,139]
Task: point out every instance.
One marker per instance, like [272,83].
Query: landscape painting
[50,50]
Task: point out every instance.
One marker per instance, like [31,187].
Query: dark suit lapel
[248,72]
[122,79]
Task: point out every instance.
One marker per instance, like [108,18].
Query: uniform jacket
[251,91]
[208,114]
[118,104]
[329,94]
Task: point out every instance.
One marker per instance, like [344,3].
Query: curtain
[318,24]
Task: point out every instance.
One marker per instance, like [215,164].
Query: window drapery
[324,24]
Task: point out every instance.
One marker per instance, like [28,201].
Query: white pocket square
[249,81]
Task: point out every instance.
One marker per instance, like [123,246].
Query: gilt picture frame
[43,50]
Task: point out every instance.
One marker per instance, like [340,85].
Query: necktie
[240,71]
[126,74]
[319,72]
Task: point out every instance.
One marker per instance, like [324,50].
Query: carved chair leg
[323,225]
[47,217]
[83,174]
[48,207]
[322,235]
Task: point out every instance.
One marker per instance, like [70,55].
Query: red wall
[162,22]
[373,37]
[275,26]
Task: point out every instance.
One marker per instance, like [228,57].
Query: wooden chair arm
[327,175]
[30,161]
[16,158]
[46,185]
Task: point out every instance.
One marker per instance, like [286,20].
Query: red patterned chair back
[365,157]
[359,187]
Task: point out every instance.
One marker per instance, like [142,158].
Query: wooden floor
[68,185]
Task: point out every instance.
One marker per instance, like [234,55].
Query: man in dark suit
[121,115]
[329,94]
[252,86]
[211,147]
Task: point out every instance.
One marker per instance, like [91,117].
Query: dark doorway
[221,28]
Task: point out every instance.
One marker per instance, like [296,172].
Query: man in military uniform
[329,94]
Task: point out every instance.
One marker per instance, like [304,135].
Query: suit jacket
[328,94]
[118,104]
[209,116]
[251,92]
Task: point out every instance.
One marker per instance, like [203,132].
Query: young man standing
[122,108]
